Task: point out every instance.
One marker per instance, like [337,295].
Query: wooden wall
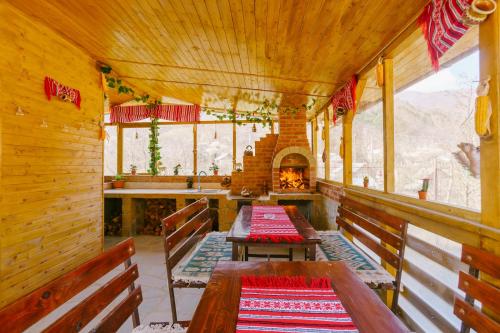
[51,178]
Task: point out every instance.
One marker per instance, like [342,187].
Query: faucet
[199,184]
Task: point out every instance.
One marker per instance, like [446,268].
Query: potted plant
[133,169]
[366,181]
[189,182]
[214,168]
[176,169]
[118,182]
[422,194]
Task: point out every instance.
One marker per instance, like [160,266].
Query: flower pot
[216,172]
[484,7]
[133,172]
[422,195]
[118,183]
[365,185]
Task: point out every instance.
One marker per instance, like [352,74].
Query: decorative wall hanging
[341,148]
[65,93]
[380,72]
[442,23]
[344,99]
[179,113]
[483,109]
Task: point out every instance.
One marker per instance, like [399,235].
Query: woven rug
[198,265]
[289,304]
[335,247]
[272,224]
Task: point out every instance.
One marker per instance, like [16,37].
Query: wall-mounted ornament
[65,93]
[102,134]
[341,148]
[380,72]
[19,111]
[44,124]
[483,109]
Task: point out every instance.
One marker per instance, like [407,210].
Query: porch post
[388,110]
[234,145]
[119,149]
[347,139]
[195,149]
[327,143]
[314,124]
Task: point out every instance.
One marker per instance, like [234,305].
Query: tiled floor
[155,306]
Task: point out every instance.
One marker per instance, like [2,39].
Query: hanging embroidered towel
[179,113]
[345,98]
[272,224]
[442,26]
[289,304]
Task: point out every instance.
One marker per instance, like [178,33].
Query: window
[434,116]
[215,145]
[368,137]
[246,137]
[336,162]
[321,147]
[176,142]
[135,149]
[110,146]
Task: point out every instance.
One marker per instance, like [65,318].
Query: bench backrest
[180,237]
[475,289]
[366,223]
[25,312]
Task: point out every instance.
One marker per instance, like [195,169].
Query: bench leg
[290,254]
[172,304]
[235,252]
[312,252]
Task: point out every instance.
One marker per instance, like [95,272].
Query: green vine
[263,114]
[116,83]
[154,148]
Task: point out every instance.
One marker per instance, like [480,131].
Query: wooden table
[241,228]
[219,305]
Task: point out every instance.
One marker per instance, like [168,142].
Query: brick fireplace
[282,163]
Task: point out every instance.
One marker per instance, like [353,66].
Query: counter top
[151,192]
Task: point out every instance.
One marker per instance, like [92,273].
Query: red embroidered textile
[179,113]
[271,223]
[289,304]
[67,94]
[442,26]
[345,98]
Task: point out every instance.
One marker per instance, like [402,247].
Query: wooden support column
[327,143]
[119,149]
[314,124]
[195,149]
[388,110]
[347,139]
[234,145]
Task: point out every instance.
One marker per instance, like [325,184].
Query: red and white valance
[442,26]
[178,113]
[345,98]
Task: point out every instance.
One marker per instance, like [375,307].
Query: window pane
[246,137]
[368,138]
[135,149]
[176,142]
[110,157]
[432,118]
[336,162]
[321,148]
[212,149]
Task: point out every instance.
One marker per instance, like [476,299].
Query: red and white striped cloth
[289,305]
[345,98]
[272,224]
[178,113]
[442,26]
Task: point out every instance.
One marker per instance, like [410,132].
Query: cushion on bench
[198,264]
[335,247]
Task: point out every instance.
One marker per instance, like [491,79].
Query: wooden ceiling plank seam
[248,7]
[215,40]
[260,10]
[237,16]
[272,21]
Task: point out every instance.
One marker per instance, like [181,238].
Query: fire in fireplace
[292,178]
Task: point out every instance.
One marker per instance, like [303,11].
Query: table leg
[312,252]
[290,254]
[235,252]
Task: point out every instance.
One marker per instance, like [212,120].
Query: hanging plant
[154,148]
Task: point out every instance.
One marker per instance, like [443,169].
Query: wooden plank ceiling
[221,52]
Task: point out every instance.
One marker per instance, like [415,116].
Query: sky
[452,78]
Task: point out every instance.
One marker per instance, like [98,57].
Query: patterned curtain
[178,113]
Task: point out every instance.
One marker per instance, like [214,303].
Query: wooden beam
[234,145]
[327,143]
[119,149]
[347,139]
[195,149]
[388,110]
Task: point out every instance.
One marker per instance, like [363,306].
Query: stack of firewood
[156,210]
[113,227]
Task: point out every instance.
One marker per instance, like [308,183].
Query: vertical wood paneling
[51,178]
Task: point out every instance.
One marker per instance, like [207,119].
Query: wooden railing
[429,292]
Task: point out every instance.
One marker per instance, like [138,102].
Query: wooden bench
[375,229]
[475,289]
[185,245]
[30,309]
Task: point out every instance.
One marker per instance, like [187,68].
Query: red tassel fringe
[275,238]
[423,22]
[278,282]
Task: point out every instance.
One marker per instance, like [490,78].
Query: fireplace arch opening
[294,172]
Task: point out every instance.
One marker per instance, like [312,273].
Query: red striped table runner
[290,305]
[271,223]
